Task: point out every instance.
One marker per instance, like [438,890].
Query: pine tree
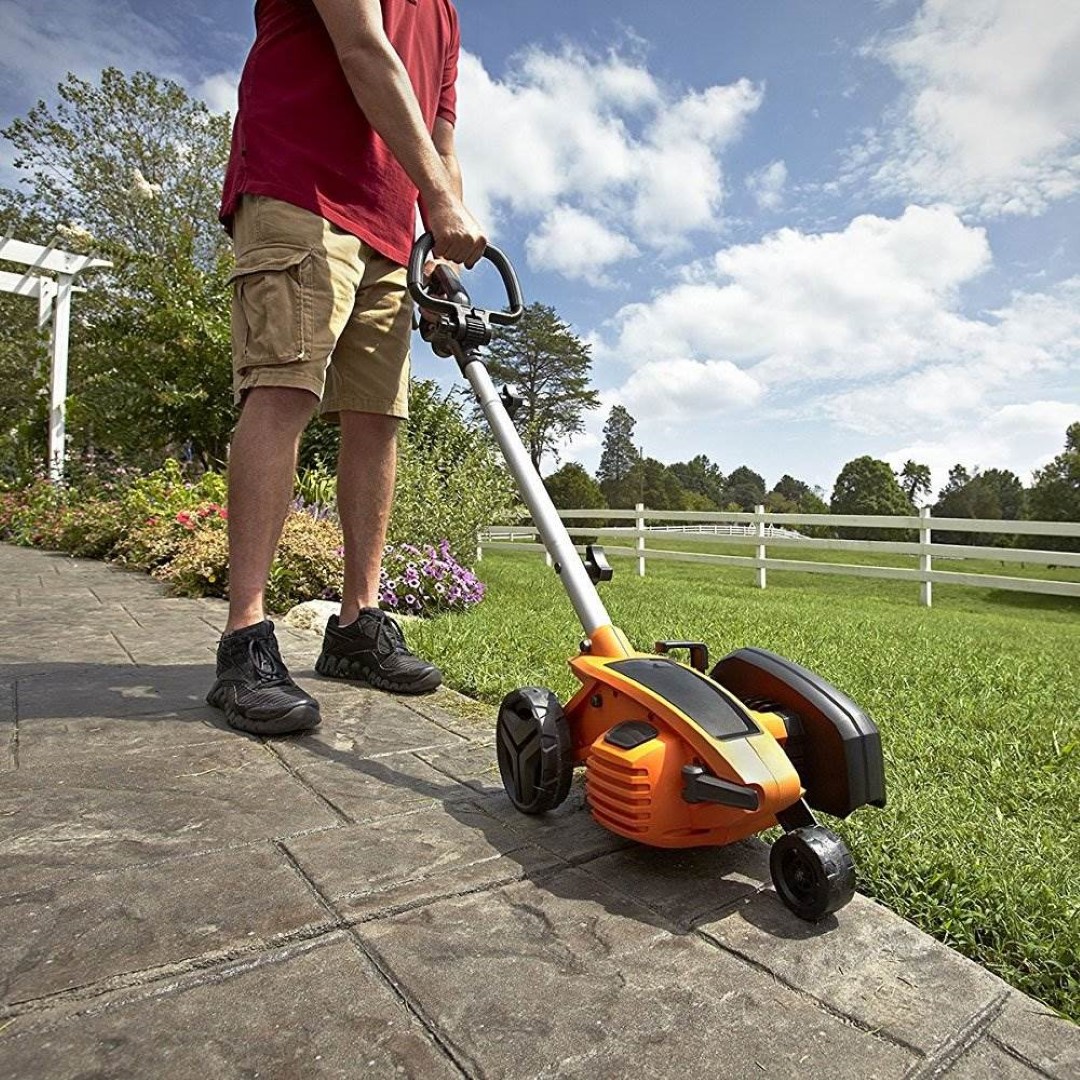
[619,459]
[550,366]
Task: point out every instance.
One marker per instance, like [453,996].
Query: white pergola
[54,309]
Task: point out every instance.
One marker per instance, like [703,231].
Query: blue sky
[793,232]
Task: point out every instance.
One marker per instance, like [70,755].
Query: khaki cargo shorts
[316,308]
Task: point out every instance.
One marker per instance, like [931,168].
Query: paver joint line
[469,1070]
[183,856]
[1015,1054]
[823,1006]
[209,962]
[945,1056]
[336,810]
[13,743]
[127,611]
[170,981]
[310,885]
[127,651]
[382,972]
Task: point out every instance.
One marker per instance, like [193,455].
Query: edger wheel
[532,742]
[813,872]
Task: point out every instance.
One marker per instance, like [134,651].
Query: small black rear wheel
[535,752]
[813,872]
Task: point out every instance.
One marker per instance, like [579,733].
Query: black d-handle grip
[421,252]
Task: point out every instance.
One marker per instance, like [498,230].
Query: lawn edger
[675,755]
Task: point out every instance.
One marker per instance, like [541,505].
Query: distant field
[977,700]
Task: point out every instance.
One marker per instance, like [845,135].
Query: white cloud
[666,390]
[576,245]
[601,136]
[1021,438]
[806,306]
[861,329]
[219,91]
[767,185]
[41,43]
[990,114]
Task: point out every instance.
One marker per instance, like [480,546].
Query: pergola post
[61,337]
[54,306]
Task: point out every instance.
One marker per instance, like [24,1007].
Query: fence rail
[765,530]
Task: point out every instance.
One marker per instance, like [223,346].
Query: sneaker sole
[297,719]
[344,667]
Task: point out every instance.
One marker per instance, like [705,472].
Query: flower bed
[177,529]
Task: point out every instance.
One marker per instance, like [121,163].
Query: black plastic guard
[841,764]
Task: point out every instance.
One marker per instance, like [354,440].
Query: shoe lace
[266,660]
[389,635]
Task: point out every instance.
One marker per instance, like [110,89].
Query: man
[346,117]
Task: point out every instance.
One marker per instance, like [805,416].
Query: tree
[869,486]
[959,478]
[133,165]
[1055,493]
[744,489]
[915,480]
[813,503]
[791,496]
[701,477]
[24,365]
[618,460]
[550,365]
[572,488]
[996,494]
[654,485]
[793,490]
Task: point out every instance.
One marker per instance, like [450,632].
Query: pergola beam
[47,258]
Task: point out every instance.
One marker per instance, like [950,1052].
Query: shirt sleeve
[448,94]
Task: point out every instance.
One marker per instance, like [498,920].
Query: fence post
[926,588]
[761,547]
[480,546]
[640,508]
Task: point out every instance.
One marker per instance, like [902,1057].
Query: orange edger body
[673,757]
[648,730]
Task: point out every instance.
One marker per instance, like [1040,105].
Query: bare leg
[262,471]
[367,468]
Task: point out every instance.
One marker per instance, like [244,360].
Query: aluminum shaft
[575,578]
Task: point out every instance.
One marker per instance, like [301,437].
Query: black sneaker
[372,650]
[253,687]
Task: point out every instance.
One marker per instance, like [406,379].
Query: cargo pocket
[272,307]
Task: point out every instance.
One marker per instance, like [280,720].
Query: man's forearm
[453,170]
[382,89]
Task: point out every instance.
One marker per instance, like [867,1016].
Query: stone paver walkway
[179,900]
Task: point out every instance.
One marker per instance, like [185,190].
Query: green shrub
[197,562]
[451,480]
[316,488]
[309,564]
[148,509]
[89,527]
[33,515]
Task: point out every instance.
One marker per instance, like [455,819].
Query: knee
[285,406]
[368,427]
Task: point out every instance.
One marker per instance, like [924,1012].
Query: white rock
[311,615]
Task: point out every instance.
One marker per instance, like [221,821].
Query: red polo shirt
[300,136]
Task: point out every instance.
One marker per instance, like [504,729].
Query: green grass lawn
[977,700]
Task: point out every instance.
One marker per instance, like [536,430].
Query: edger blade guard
[838,750]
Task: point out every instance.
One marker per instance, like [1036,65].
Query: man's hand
[458,236]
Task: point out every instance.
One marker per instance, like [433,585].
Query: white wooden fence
[764,531]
